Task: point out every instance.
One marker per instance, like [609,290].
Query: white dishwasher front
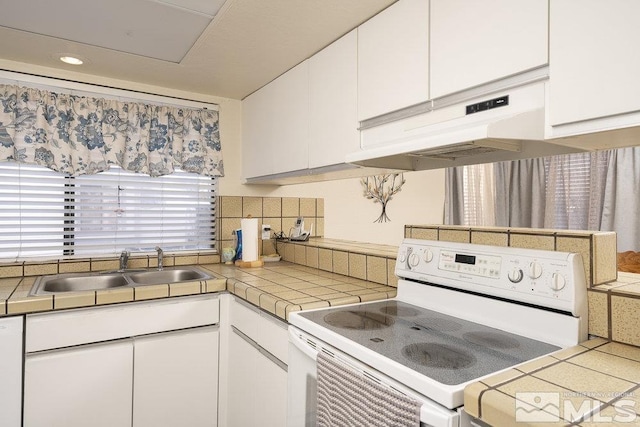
[11,351]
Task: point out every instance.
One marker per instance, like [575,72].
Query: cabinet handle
[261,349]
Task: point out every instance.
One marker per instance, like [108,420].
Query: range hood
[500,126]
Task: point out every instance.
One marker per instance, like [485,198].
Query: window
[582,191]
[478,195]
[46,214]
[562,192]
[574,188]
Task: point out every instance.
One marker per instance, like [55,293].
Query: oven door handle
[302,344]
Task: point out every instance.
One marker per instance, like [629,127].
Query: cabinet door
[333,102]
[11,354]
[475,42]
[256,381]
[289,142]
[242,371]
[594,65]
[393,59]
[272,392]
[81,386]
[275,124]
[176,379]
[257,127]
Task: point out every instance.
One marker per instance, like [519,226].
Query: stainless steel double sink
[77,282]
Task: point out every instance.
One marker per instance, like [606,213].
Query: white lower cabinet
[82,386]
[272,392]
[175,381]
[242,393]
[11,355]
[156,365]
[256,376]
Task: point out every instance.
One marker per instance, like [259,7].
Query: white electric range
[462,312]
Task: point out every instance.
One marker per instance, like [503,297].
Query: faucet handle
[160,256]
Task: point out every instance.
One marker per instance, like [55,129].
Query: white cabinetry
[306,118]
[161,379]
[11,354]
[78,387]
[275,125]
[333,92]
[393,59]
[175,378]
[256,371]
[476,42]
[594,65]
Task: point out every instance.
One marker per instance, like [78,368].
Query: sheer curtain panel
[621,199]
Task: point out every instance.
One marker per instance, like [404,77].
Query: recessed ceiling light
[71,60]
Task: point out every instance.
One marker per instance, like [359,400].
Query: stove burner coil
[358,319]
[438,356]
[393,309]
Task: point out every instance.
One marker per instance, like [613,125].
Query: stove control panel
[477,265]
[547,278]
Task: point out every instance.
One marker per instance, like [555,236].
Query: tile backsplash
[279,212]
[365,261]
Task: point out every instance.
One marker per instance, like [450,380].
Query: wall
[348,215]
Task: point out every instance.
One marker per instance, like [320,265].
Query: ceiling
[215,47]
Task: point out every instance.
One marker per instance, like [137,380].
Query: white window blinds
[46,214]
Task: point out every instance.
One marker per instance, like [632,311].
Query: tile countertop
[349,246]
[278,287]
[565,383]
[282,287]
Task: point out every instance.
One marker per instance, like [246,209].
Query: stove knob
[414,259]
[402,256]
[428,256]
[535,270]
[516,275]
[558,281]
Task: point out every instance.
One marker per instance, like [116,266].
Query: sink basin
[159,277]
[78,282]
[75,283]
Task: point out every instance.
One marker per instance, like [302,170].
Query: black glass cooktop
[447,349]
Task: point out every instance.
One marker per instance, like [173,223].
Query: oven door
[302,384]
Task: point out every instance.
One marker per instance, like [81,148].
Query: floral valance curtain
[79,135]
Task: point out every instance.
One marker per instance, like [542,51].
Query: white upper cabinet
[333,93]
[476,42]
[256,127]
[275,125]
[290,143]
[594,63]
[393,59]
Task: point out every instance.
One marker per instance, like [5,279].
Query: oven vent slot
[312,344]
[327,352]
[380,382]
[371,377]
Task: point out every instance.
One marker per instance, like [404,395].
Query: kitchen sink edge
[79,282]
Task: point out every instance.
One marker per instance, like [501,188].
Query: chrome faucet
[124,259]
[160,255]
